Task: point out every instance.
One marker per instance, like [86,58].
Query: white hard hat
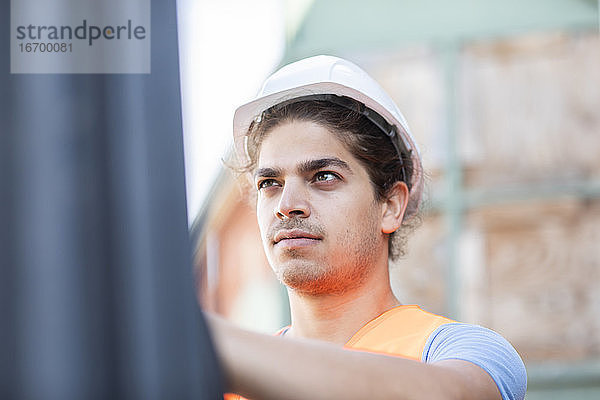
[323,75]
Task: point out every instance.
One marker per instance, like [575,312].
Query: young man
[338,179]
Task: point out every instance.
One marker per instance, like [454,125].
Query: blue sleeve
[482,347]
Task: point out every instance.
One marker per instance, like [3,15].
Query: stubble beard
[335,273]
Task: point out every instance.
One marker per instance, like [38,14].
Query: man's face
[319,220]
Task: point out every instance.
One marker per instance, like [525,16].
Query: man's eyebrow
[304,167]
[267,172]
[313,165]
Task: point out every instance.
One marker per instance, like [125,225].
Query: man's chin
[286,258]
[302,275]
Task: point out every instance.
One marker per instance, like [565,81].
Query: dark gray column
[96,284]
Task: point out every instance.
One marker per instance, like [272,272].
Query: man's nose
[293,202]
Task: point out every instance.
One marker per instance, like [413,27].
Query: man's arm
[268,367]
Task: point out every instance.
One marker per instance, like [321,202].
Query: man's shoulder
[483,347]
[401,331]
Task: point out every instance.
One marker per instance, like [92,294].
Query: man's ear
[394,207]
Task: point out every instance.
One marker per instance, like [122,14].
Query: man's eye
[266,183]
[325,176]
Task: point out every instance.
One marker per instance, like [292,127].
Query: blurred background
[504,100]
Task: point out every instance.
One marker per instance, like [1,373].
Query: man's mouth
[295,237]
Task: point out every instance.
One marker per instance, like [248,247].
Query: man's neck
[337,317]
